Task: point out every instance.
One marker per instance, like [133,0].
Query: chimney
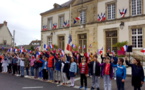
[5,23]
[56,5]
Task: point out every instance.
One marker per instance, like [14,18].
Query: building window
[111,11]
[136,7]
[49,23]
[61,21]
[61,41]
[49,40]
[4,42]
[82,42]
[137,36]
[83,17]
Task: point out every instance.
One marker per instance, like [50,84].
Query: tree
[120,44]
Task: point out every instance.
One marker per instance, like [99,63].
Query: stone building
[103,23]
[5,36]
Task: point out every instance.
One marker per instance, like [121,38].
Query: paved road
[9,82]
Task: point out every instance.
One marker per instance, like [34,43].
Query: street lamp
[121,25]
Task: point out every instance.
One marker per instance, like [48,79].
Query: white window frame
[136,8]
[136,35]
[111,11]
[83,17]
[61,21]
[49,40]
[50,24]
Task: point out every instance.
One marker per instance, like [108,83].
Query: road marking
[37,87]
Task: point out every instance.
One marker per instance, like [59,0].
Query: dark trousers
[0,67]
[120,84]
[18,69]
[27,70]
[83,80]
[10,68]
[14,68]
[36,72]
[137,88]
[45,74]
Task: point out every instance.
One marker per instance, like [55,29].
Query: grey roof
[64,5]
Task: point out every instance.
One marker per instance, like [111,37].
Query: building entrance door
[82,42]
[111,39]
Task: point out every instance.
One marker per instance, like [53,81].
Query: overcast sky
[23,16]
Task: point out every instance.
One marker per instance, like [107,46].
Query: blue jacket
[58,65]
[73,67]
[121,71]
[43,65]
[14,61]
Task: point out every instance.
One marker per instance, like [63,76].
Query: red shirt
[83,68]
[107,69]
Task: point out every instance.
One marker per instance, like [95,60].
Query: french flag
[45,46]
[99,18]
[21,50]
[75,21]
[15,50]
[62,53]
[124,48]
[68,24]
[143,51]
[69,43]
[65,24]
[73,46]
[51,46]
[103,17]
[123,12]
[100,51]
[54,26]
[78,18]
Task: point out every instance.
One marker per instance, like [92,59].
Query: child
[107,73]
[45,68]
[120,73]
[22,65]
[5,64]
[72,71]
[64,70]
[83,72]
[137,73]
[95,72]
[57,69]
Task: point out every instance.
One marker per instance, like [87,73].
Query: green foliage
[32,48]
[55,46]
[120,44]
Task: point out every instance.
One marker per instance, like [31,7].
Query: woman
[137,73]
[72,71]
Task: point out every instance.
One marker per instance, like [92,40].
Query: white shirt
[22,62]
[94,67]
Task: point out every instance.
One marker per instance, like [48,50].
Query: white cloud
[23,16]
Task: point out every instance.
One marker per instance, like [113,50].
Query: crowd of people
[58,68]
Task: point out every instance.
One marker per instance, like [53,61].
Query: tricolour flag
[78,18]
[73,46]
[65,24]
[123,12]
[75,21]
[69,43]
[99,18]
[54,26]
[44,28]
[103,17]
[112,52]
[100,51]
[51,46]
[124,48]
[62,53]
[45,46]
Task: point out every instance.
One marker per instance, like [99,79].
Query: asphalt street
[9,82]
